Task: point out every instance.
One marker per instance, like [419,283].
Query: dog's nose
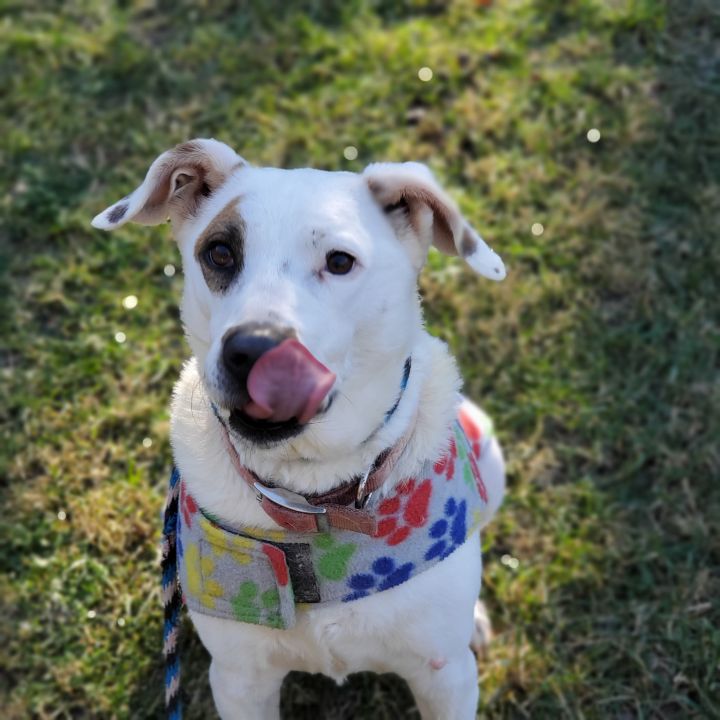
[244,344]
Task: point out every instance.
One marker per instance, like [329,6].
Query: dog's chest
[259,576]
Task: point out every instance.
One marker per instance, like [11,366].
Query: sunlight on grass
[576,136]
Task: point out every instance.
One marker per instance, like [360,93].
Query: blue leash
[172,600]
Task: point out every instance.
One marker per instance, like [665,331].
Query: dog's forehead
[283,208]
[313,195]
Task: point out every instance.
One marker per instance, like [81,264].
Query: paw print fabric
[405,510]
[248,575]
[449,531]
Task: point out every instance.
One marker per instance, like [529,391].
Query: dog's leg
[241,695]
[447,689]
[436,629]
[482,630]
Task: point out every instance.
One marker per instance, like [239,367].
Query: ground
[597,357]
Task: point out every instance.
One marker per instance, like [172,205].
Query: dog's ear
[175,186]
[416,204]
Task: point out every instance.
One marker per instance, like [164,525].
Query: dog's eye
[339,263]
[220,255]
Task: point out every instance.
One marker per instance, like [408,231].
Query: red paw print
[279,565]
[472,431]
[188,506]
[405,510]
[446,464]
[479,482]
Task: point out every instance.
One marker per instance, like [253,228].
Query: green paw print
[259,608]
[467,474]
[332,564]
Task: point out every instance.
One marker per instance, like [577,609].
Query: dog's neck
[429,402]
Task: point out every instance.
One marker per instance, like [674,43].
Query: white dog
[314,389]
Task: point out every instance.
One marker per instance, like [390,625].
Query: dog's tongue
[287,382]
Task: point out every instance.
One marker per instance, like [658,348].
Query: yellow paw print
[239,547]
[197,569]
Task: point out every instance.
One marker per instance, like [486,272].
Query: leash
[172,600]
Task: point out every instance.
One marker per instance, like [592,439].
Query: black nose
[244,344]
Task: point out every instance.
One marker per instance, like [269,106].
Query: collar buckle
[287,499]
[361,499]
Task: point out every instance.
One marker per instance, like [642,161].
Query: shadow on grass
[304,696]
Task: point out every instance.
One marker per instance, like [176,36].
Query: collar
[342,507]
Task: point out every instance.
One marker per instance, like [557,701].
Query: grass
[597,357]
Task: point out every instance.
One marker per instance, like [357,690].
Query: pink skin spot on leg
[438,663]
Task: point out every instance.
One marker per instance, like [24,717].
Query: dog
[324,451]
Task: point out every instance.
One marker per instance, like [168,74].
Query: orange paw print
[405,510]
[474,436]
[472,431]
[446,464]
[188,506]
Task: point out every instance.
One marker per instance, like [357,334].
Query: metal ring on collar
[288,499]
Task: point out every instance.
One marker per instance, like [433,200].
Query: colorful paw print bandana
[260,576]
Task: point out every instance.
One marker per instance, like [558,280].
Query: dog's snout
[244,344]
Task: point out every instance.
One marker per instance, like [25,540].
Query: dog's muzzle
[274,380]
[243,345]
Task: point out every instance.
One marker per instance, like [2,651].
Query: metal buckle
[360,498]
[288,499]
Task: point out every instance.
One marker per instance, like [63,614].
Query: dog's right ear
[414,203]
[175,186]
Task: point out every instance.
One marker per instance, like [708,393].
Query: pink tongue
[287,382]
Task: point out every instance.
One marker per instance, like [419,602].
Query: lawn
[598,357]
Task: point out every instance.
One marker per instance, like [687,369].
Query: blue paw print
[449,531]
[385,574]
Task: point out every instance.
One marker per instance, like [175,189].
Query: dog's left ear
[176,185]
[415,203]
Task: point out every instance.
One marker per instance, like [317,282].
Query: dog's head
[300,299]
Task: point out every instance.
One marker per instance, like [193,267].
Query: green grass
[597,357]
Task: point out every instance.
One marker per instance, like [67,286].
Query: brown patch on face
[229,215]
[117,213]
[468,244]
[227,228]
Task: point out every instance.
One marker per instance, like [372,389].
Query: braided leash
[172,600]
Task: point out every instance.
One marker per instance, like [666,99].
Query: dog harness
[261,576]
